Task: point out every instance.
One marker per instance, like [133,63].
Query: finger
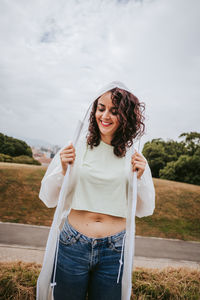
[137,161]
[68,155]
[67,160]
[63,157]
[139,174]
[68,151]
[69,147]
[137,155]
[142,163]
[138,166]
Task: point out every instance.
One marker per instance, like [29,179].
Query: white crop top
[103,184]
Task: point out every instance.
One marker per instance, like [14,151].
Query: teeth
[105,123]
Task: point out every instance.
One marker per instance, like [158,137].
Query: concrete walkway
[27,243]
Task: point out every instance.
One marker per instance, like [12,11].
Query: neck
[106,139]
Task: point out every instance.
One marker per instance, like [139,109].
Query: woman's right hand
[67,156]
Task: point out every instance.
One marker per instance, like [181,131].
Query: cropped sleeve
[145,193]
[52,182]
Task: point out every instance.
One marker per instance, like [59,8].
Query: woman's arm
[50,188]
[146,193]
[53,178]
[145,188]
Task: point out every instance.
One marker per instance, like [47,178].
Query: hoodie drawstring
[120,261]
[53,283]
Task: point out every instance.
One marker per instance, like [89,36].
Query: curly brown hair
[131,121]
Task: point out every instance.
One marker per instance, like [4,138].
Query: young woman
[90,254]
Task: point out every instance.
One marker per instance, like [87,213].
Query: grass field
[18,281]
[177,213]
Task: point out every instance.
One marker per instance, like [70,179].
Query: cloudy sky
[55,55]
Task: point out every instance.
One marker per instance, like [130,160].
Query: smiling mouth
[105,124]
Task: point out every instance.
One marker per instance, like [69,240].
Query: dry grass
[18,282]
[167,283]
[177,213]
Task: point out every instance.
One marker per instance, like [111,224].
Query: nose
[106,114]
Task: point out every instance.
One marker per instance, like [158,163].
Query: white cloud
[54,55]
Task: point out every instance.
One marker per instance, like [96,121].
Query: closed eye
[113,112]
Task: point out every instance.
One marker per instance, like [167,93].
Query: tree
[14,147]
[174,160]
[192,142]
[155,154]
[159,153]
[185,169]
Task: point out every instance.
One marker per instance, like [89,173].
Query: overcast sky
[55,55]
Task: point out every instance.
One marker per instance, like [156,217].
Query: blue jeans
[88,266]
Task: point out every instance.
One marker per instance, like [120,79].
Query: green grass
[177,212]
[171,228]
[18,282]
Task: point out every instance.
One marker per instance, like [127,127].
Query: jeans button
[94,242]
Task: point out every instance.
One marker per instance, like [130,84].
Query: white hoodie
[56,191]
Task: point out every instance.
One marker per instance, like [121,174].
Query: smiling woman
[95,238]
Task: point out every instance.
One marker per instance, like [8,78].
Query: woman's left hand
[138,163]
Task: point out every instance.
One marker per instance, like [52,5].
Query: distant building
[44,155]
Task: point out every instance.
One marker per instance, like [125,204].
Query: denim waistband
[112,238]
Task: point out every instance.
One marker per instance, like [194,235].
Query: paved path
[27,243]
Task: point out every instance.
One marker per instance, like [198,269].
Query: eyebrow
[104,105]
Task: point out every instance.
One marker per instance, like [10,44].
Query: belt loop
[77,237]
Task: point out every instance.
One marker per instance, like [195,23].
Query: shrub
[22,159]
[5,158]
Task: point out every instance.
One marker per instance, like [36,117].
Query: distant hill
[37,143]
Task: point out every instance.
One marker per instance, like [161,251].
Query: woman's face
[106,116]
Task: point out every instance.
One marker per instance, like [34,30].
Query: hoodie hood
[111,86]
[101,91]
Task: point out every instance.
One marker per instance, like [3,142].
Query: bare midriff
[95,225]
